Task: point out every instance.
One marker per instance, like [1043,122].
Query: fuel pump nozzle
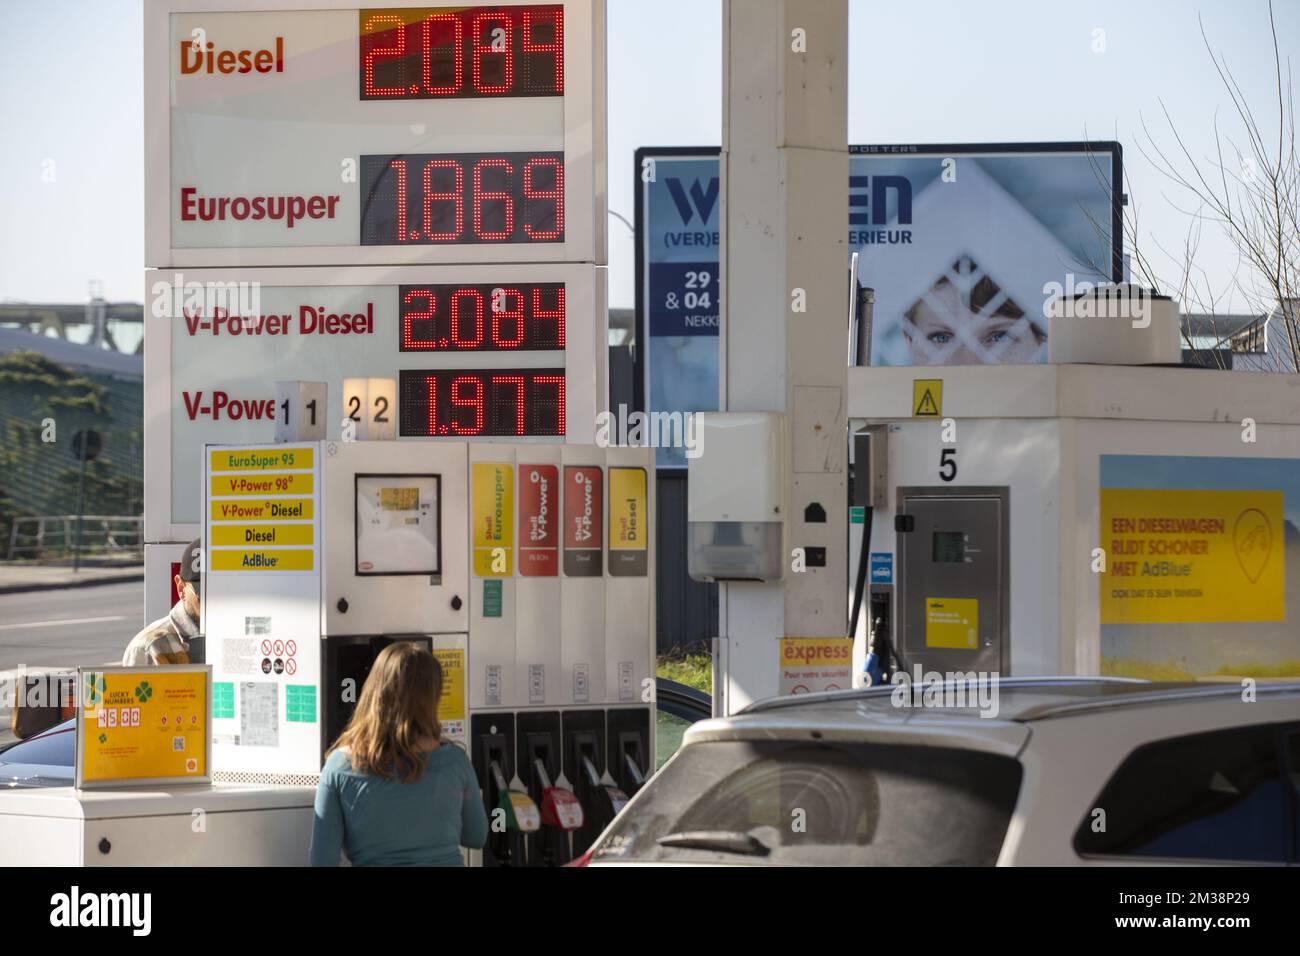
[633,771]
[521,813]
[560,808]
[614,798]
[518,810]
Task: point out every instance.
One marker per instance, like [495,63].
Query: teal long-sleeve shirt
[381,821]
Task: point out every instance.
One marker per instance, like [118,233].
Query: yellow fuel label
[260,459]
[264,484]
[261,534]
[492,496]
[260,560]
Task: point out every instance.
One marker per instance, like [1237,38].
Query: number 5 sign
[370,409]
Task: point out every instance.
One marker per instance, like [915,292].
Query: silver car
[1067,772]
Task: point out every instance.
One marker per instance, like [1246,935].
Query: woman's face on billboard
[944,330]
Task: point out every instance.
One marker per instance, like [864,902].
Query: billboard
[963,245]
[679,233]
[1193,543]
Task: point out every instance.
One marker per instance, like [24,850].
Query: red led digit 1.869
[462,198]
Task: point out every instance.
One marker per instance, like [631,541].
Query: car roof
[1019,699]
[891,714]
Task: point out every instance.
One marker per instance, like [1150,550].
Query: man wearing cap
[167,640]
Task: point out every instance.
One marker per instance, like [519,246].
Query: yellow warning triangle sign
[927,397]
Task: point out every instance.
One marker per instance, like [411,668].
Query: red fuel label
[584,509]
[539,521]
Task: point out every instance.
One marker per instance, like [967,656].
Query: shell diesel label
[584,491]
[628,529]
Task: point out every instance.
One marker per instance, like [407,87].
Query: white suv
[1070,772]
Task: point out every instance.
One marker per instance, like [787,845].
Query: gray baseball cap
[192,561]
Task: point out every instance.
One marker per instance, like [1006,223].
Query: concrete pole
[785,309]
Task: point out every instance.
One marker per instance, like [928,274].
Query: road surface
[67,628]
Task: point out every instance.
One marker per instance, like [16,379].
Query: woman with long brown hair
[391,793]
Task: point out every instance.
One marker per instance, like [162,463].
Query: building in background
[49,389]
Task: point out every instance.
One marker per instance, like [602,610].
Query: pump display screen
[462,198]
[486,317]
[949,547]
[398,524]
[459,52]
[481,402]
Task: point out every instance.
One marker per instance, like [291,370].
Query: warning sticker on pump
[927,397]
[952,622]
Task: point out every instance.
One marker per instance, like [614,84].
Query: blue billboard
[964,246]
[678,226]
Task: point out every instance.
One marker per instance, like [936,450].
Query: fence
[50,536]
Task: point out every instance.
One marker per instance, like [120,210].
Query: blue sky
[942,71]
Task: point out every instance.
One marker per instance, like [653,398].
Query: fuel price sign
[324,133]
[484,352]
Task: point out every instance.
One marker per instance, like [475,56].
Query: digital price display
[451,52]
[486,317]
[495,402]
[400,134]
[462,198]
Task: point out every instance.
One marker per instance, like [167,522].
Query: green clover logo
[96,687]
[103,738]
[143,691]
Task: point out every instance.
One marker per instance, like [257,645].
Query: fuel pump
[527,571]
[584,765]
[539,770]
[562,812]
[493,765]
[870,475]
[629,748]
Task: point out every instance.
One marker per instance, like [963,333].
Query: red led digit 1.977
[457,52]
[449,403]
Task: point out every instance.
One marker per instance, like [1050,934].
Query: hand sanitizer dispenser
[735,498]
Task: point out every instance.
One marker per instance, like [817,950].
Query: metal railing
[49,536]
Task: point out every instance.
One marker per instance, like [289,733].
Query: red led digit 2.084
[485,317]
[458,52]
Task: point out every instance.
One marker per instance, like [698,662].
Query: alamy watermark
[1083,299]
[974,690]
[683,430]
[219,302]
[75,908]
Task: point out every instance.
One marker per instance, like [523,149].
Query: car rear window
[1212,796]
[820,803]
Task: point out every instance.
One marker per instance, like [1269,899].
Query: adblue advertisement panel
[1193,544]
